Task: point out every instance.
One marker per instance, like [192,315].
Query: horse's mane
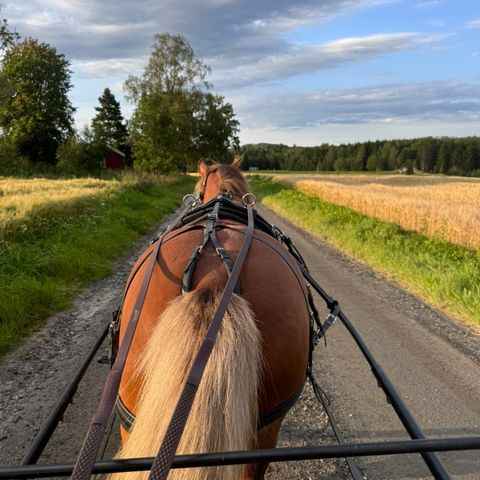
[231,179]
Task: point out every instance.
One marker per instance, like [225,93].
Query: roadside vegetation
[447,276]
[30,207]
[51,249]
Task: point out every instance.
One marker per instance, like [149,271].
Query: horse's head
[220,179]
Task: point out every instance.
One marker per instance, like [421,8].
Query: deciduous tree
[176,119]
[35,112]
[8,38]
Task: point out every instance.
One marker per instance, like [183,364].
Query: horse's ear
[237,161]
[202,168]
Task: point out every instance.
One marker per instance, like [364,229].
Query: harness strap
[127,418]
[88,453]
[163,460]
[208,235]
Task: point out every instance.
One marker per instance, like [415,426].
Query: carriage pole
[45,433]
[431,458]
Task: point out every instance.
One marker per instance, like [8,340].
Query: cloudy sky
[299,72]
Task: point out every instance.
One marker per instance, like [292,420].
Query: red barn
[115,159]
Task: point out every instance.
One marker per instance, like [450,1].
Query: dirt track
[432,360]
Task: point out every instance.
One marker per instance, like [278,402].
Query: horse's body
[260,357]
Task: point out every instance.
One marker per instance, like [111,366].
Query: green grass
[40,275]
[445,275]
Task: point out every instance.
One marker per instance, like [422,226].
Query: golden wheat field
[31,203]
[445,207]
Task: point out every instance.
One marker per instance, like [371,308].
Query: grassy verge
[39,275]
[445,275]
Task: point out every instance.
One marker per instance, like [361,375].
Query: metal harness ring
[249,199]
[190,199]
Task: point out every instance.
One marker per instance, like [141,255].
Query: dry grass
[36,204]
[448,208]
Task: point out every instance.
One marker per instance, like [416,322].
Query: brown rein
[163,460]
[88,453]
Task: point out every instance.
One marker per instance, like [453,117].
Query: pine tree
[108,125]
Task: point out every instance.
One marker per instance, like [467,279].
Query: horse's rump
[272,288]
[270,282]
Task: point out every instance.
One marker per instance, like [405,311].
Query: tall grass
[445,275]
[41,269]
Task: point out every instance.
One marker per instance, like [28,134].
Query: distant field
[30,206]
[443,274]
[444,207]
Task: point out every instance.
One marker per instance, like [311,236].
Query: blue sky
[300,72]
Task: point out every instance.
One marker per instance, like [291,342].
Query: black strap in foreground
[163,460]
[89,451]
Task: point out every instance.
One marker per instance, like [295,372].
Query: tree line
[176,120]
[451,156]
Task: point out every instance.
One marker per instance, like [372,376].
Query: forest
[450,156]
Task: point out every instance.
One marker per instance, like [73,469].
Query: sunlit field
[444,207]
[56,236]
[33,205]
[443,274]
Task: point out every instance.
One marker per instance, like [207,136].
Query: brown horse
[258,364]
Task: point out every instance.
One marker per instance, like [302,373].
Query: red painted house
[114,159]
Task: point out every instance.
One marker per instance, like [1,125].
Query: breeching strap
[163,460]
[89,451]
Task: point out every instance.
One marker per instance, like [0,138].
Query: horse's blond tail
[225,411]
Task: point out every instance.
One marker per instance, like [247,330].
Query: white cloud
[248,29]
[112,67]
[308,59]
[474,23]
[429,4]
[388,104]
[351,133]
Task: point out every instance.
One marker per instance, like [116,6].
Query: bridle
[201,194]
[200,199]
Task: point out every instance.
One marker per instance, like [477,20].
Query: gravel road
[431,359]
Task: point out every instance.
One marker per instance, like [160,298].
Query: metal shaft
[255,456]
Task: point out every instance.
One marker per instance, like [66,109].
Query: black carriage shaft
[431,459]
[255,456]
[45,433]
